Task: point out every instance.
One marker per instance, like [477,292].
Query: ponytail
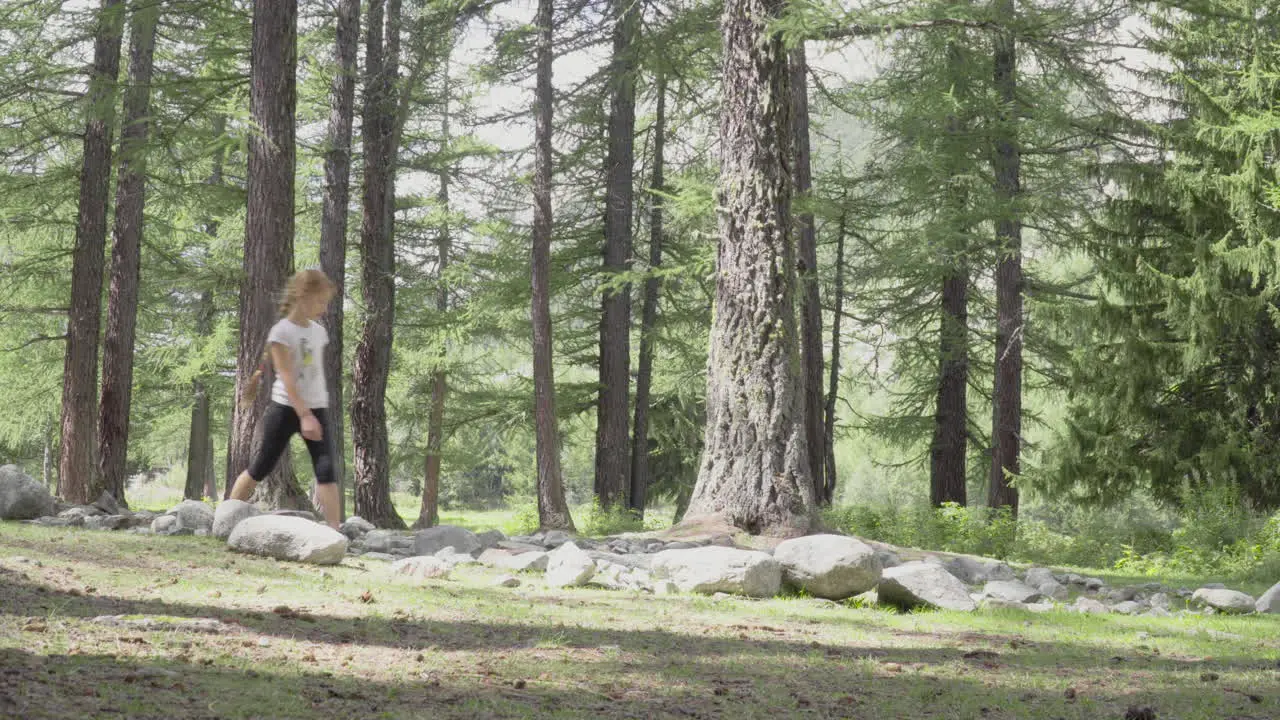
[303,283]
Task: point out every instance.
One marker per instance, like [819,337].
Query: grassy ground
[296,641]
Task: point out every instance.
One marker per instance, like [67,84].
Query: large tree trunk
[78,468]
[333,222]
[1006,429]
[612,461]
[833,385]
[46,468]
[755,463]
[553,511]
[947,477]
[649,313]
[810,303]
[200,442]
[268,251]
[126,250]
[373,353]
[429,514]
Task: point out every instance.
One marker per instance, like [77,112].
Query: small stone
[507,581]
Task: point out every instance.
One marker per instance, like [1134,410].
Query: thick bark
[126,250]
[333,221]
[947,477]
[429,513]
[833,384]
[553,511]
[612,446]
[810,303]
[755,462]
[1006,428]
[78,466]
[268,247]
[377,274]
[200,442]
[649,312]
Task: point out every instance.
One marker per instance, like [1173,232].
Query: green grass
[299,641]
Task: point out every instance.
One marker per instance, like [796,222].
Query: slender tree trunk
[755,462]
[810,303]
[553,511]
[649,312]
[200,441]
[373,353]
[833,384]
[1006,430]
[947,477]
[429,514]
[268,251]
[612,466]
[78,468]
[126,250]
[333,222]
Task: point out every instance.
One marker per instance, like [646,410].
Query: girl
[299,396]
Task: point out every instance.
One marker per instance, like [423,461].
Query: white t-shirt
[306,349]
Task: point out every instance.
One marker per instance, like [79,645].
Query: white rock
[828,566]
[1230,601]
[514,562]
[1011,591]
[193,515]
[1158,612]
[422,567]
[1270,601]
[289,538]
[1128,607]
[1161,600]
[454,558]
[22,498]
[169,525]
[922,584]
[229,514]
[1089,606]
[433,540]
[709,570]
[665,587]
[569,566]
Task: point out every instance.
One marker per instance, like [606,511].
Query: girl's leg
[278,425]
[322,460]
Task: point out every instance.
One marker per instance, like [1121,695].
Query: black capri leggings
[279,425]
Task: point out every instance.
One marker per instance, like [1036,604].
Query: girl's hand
[311,429]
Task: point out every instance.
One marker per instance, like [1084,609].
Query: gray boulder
[75,516]
[108,504]
[229,514]
[710,570]
[454,558]
[423,567]
[1128,607]
[976,571]
[193,515]
[490,538]
[1093,584]
[633,561]
[887,559]
[834,567]
[385,541]
[289,538]
[1054,590]
[1269,602]
[1228,601]
[106,522]
[433,540]
[1161,600]
[1011,591]
[22,498]
[1038,576]
[922,584]
[569,566]
[555,539]
[356,527]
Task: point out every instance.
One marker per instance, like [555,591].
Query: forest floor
[284,640]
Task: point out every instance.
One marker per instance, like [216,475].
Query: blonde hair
[305,284]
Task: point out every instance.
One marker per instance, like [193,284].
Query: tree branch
[34,340]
